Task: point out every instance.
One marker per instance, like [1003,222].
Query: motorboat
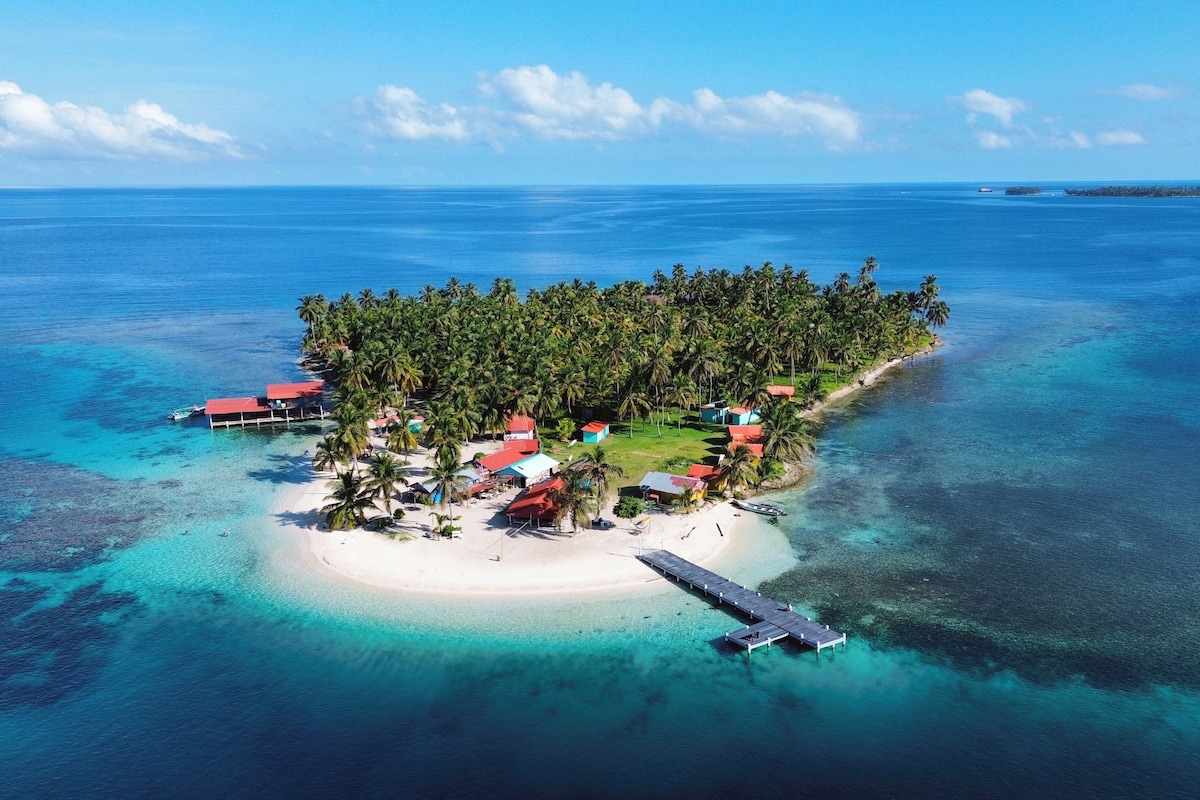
[760,508]
[185,413]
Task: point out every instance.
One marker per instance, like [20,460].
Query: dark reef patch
[48,651]
[1052,589]
[58,518]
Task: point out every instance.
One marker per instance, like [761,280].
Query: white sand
[493,558]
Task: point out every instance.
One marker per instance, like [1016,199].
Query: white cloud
[143,131]
[400,113]
[990,140]
[805,114]
[1119,137]
[981,101]
[1144,91]
[1080,140]
[553,106]
[541,103]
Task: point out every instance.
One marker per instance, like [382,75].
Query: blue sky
[233,93]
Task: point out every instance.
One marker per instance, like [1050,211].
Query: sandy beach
[493,558]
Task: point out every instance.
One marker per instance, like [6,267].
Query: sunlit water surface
[1007,529]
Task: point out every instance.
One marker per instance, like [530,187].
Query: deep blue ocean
[1009,529]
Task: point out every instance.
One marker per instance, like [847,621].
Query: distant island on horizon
[1114,191]
[1136,191]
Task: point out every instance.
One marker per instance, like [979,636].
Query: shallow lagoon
[1006,528]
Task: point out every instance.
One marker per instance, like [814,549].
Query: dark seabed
[1008,529]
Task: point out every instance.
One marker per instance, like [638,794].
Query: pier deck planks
[761,609]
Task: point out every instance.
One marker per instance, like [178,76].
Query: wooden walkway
[774,621]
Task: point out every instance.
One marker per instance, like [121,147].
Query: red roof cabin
[536,504]
[284,403]
[781,391]
[704,472]
[748,435]
[520,426]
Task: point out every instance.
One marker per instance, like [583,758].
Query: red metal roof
[525,446]
[502,458]
[234,405]
[702,471]
[535,502]
[739,410]
[777,390]
[293,391]
[755,447]
[745,431]
[519,423]
[595,427]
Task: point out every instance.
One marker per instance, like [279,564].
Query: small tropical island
[1023,190]
[1136,191]
[516,423]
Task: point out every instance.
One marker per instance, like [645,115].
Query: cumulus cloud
[806,114]
[537,102]
[553,106]
[1044,133]
[400,113]
[1119,138]
[143,131]
[1144,91]
[981,101]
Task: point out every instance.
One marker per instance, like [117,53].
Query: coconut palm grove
[643,355]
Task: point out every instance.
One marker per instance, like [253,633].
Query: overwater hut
[664,488]
[284,403]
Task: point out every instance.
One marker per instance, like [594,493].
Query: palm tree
[681,392]
[739,468]
[349,501]
[445,524]
[573,498]
[598,471]
[386,475]
[786,436]
[448,484]
[938,313]
[635,403]
[401,438]
[327,456]
[688,501]
[311,309]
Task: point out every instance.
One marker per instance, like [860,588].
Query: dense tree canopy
[683,339]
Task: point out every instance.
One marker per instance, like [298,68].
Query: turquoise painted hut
[595,432]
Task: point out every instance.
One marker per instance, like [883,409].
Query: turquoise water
[1008,529]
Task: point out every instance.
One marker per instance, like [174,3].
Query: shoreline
[490,561]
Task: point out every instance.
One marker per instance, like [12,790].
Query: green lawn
[646,451]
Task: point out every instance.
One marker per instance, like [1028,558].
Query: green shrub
[677,464]
[629,507]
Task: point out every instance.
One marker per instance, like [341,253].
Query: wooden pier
[774,620]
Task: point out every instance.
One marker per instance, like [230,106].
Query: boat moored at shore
[759,508]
